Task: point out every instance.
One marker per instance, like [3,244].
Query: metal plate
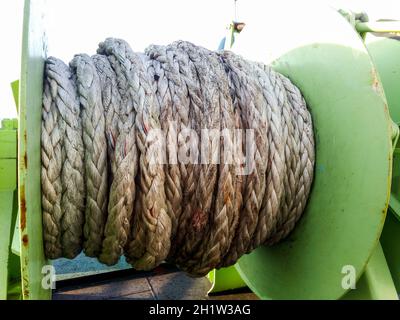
[385,53]
[225,279]
[327,60]
[30,106]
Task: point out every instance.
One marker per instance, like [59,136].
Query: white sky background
[76,26]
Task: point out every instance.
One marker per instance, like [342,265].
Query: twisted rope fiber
[124,158]
[179,154]
[63,157]
[95,159]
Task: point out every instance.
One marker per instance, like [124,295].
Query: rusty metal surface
[30,104]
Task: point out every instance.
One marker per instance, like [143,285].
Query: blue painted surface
[82,263]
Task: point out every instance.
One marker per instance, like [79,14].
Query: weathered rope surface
[62,158]
[179,154]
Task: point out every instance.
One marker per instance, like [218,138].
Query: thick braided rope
[173,100]
[291,158]
[224,216]
[188,145]
[51,140]
[72,150]
[304,161]
[152,220]
[249,102]
[209,118]
[276,99]
[111,100]
[95,143]
[286,139]
[209,156]
[122,190]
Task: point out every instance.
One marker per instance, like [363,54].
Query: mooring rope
[179,154]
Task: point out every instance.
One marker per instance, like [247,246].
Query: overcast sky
[76,26]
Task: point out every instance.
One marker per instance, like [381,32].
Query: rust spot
[25,279]
[375,81]
[227,197]
[22,208]
[25,164]
[25,240]
[199,219]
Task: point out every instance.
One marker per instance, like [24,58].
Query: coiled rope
[179,154]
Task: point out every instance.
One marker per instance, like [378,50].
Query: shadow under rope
[108,285]
[179,286]
[164,282]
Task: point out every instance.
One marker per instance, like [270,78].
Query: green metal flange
[347,206]
[30,104]
[376,282]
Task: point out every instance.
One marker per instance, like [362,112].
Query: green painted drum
[327,60]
